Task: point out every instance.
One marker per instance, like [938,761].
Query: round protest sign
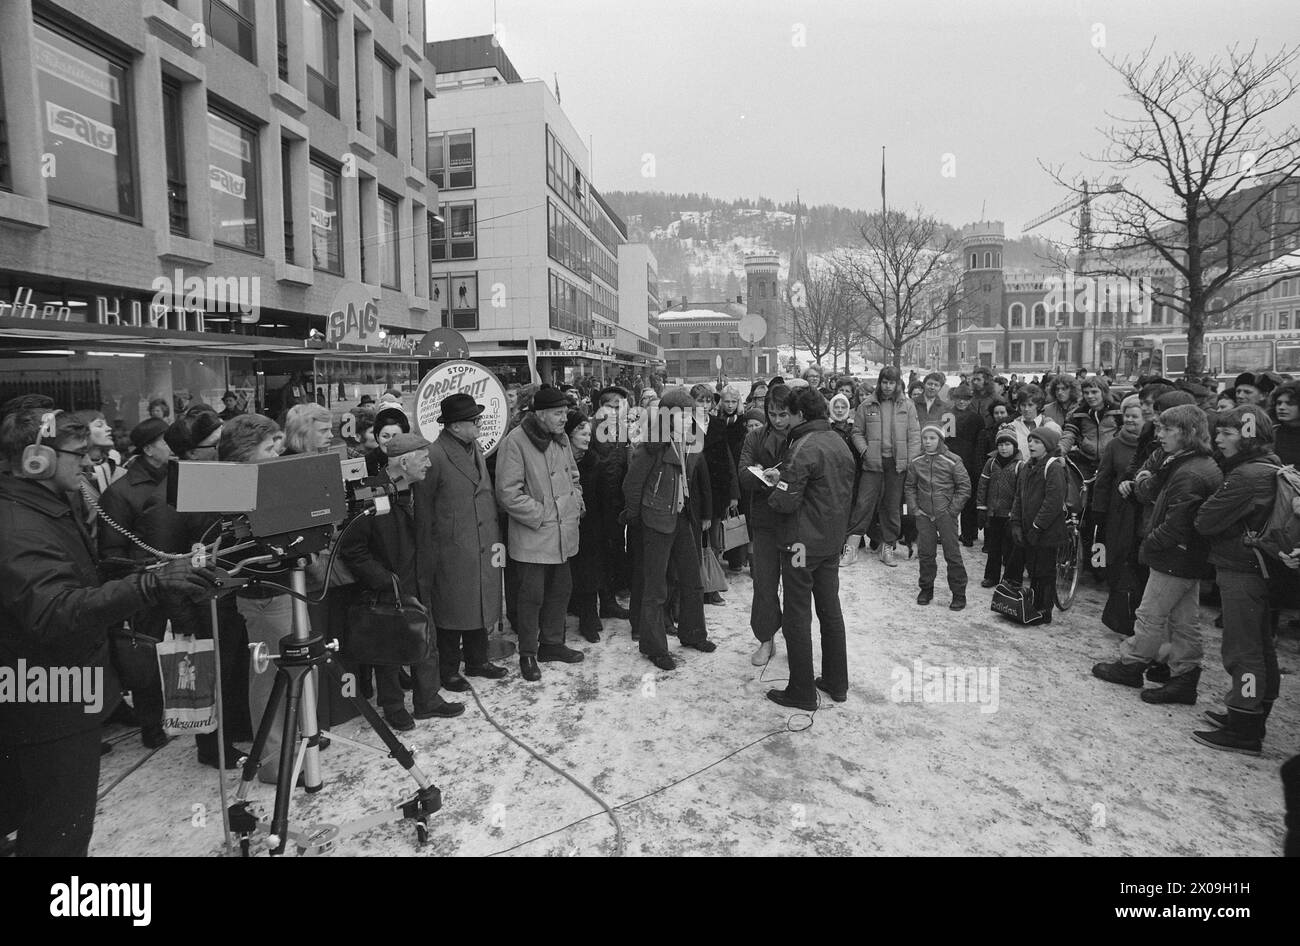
[463,377]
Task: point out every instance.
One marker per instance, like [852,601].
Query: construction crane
[1082,201]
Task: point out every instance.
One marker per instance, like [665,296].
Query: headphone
[40,460]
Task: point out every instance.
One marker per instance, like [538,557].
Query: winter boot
[1244,733]
[1179,689]
[926,596]
[958,602]
[1291,796]
[1221,720]
[1129,675]
[1158,672]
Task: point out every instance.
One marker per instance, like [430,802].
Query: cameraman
[382,550]
[54,613]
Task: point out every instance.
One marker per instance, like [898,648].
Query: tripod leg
[311,772]
[284,780]
[252,763]
[399,751]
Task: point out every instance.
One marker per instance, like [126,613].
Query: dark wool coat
[1171,544]
[1039,506]
[457,534]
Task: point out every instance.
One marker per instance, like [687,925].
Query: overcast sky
[739,98]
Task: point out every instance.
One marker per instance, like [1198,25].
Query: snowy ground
[1066,764]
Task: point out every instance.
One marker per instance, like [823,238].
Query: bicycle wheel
[1069,561]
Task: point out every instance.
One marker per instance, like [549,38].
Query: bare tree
[818,304]
[1214,210]
[906,277]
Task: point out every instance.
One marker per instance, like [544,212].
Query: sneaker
[400,721]
[887,556]
[763,653]
[662,661]
[958,603]
[926,596]
[848,556]
[554,652]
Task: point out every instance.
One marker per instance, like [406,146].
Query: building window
[84,96]
[1040,315]
[1284,321]
[326,225]
[570,307]
[281,41]
[321,47]
[715,339]
[6,182]
[1016,315]
[454,237]
[178,211]
[286,199]
[1040,353]
[232,176]
[974,261]
[1065,354]
[566,242]
[563,175]
[386,105]
[674,340]
[451,159]
[988,260]
[389,260]
[695,339]
[1017,352]
[456,298]
[231,23]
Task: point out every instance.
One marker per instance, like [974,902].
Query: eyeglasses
[74,453]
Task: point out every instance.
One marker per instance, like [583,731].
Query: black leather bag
[1014,602]
[388,631]
[134,656]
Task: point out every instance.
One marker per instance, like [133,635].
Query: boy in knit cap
[997,493]
[1038,518]
[936,488]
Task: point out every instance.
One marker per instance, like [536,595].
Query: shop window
[178,210]
[83,108]
[233,179]
[389,259]
[321,46]
[231,23]
[326,225]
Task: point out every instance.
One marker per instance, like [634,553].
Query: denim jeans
[1249,654]
[1167,615]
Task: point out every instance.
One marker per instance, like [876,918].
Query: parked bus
[1227,354]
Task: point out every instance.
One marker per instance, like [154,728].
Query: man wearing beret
[383,550]
[538,487]
[456,515]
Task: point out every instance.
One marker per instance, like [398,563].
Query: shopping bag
[735,532]
[711,574]
[189,675]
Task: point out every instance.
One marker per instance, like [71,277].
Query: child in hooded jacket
[1038,517]
[993,502]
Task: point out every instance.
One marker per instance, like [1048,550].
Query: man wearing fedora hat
[538,487]
[456,515]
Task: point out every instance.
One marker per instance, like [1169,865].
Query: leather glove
[177,581]
[982,518]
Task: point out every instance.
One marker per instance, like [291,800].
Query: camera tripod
[293,691]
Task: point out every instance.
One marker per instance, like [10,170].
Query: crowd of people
[598,493]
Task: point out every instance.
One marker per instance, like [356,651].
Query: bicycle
[1071,555]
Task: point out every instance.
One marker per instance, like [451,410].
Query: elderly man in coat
[538,487]
[456,515]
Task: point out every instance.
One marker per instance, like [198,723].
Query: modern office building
[526,248]
[187,189]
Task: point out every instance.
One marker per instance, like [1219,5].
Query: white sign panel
[463,377]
